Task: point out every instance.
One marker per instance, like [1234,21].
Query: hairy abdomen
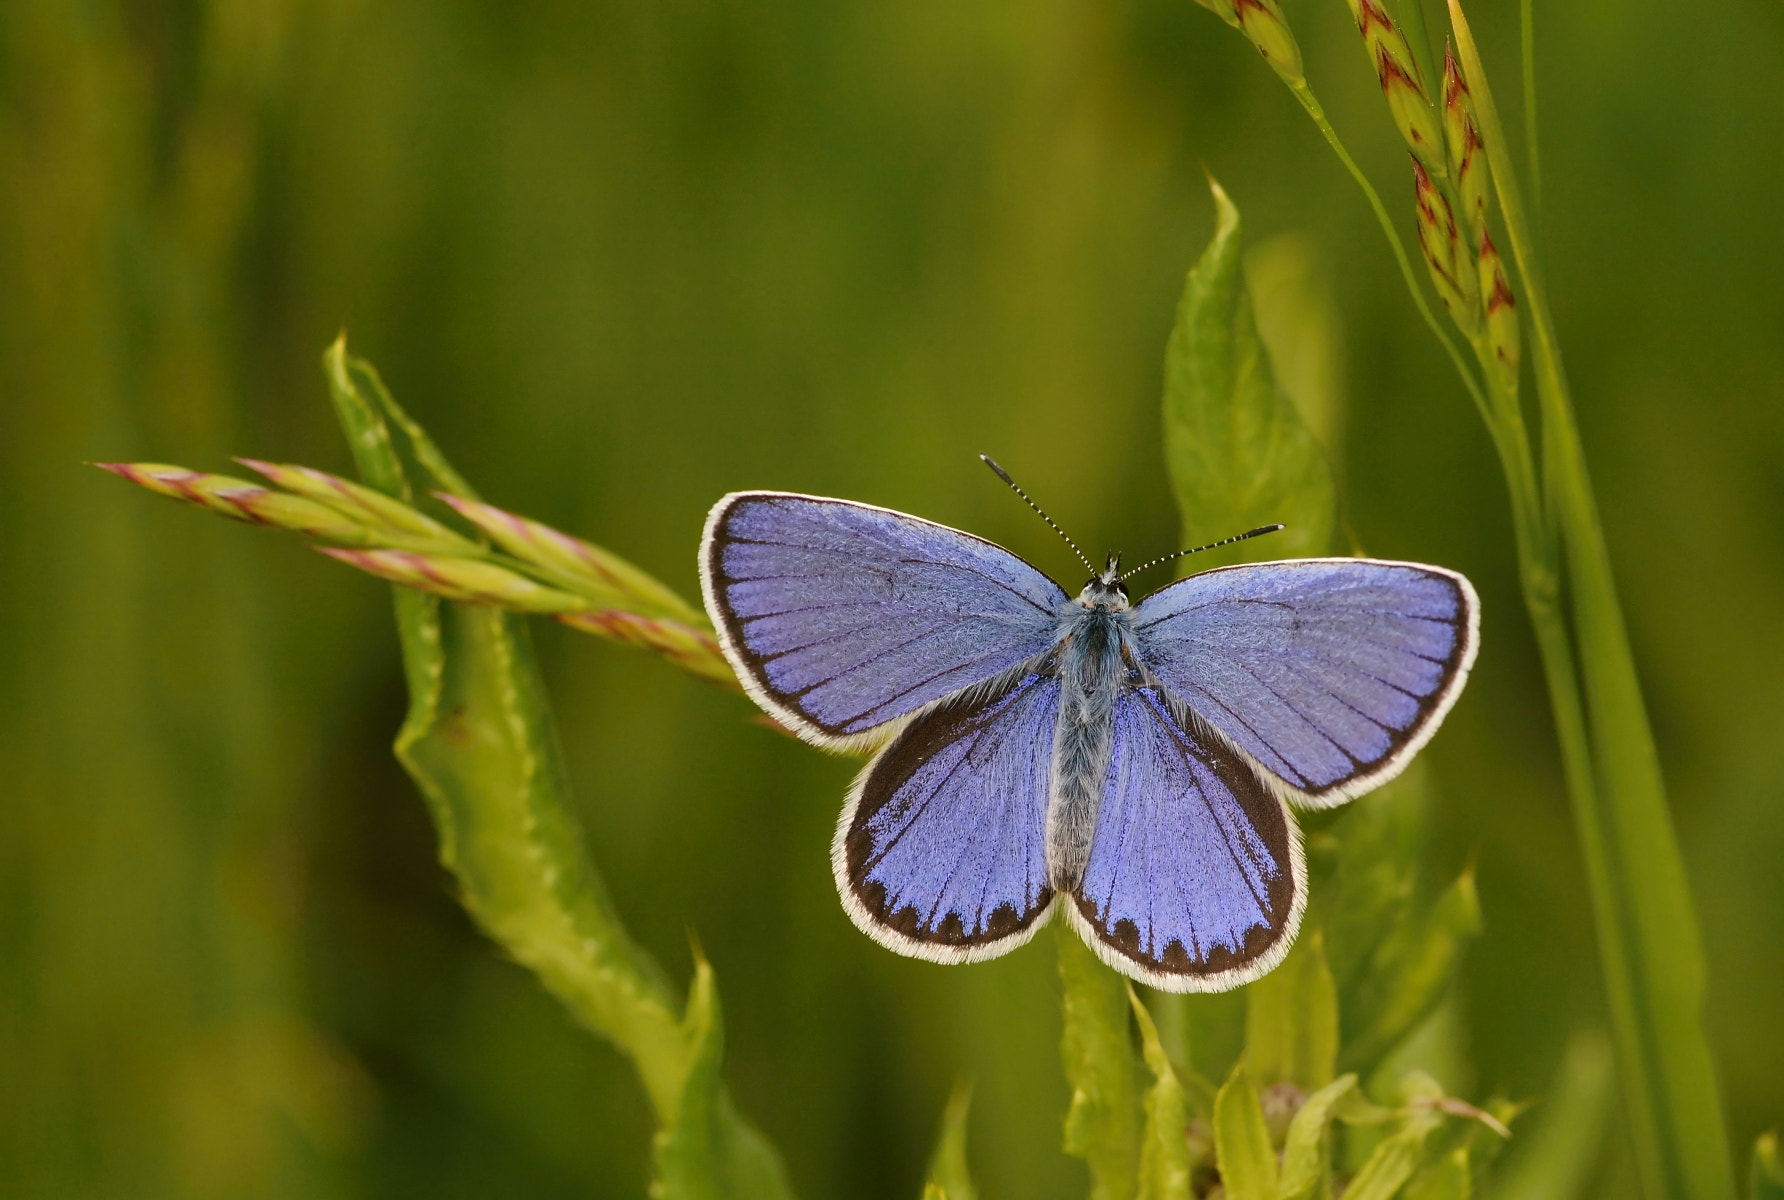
[1090,671]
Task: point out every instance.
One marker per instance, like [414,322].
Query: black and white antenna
[1005,476]
[1238,537]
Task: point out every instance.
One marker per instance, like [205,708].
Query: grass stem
[1317,112]
[1527,37]
[1656,985]
[1650,948]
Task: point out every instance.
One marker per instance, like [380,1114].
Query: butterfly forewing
[840,617]
[941,852]
[1234,690]
[1330,673]
[1195,880]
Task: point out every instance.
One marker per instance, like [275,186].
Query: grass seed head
[1441,240]
[395,523]
[690,647]
[1467,153]
[241,500]
[1224,9]
[462,579]
[605,578]
[1502,313]
[1262,21]
[1405,91]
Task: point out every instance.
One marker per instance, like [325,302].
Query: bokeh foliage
[480,742]
[622,258]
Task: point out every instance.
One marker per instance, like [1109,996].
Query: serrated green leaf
[1204,1033]
[948,1177]
[1408,974]
[1238,452]
[1179,1033]
[1242,1141]
[1394,1160]
[1291,1019]
[1450,1178]
[480,743]
[705,1150]
[1767,1181]
[1102,1124]
[682,1150]
[1164,1150]
[1307,1151]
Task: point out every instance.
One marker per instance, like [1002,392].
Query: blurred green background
[622,257]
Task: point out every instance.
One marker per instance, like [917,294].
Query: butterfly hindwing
[840,617]
[1330,673]
[941,851]
[1195,880]
[1238,690]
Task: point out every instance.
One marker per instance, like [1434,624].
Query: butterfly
[1130,764]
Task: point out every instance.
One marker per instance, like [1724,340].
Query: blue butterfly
[1134,761]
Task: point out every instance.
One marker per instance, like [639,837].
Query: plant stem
[1539,576]
[1542,600]
[1649,942]
[1527,32]
[480,742]
[1656,990]
[1540,579]
[1311,103]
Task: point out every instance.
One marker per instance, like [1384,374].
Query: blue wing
[1195,881]
[1330,673]
[941,851]
[839,617]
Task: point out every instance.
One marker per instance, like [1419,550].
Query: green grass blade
[1164,1150]
[1657,987]
[1102,1125]
[1527,47]
[948,1177]
[480,743]
[1238,452]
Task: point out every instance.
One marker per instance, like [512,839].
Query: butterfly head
[1106,590]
